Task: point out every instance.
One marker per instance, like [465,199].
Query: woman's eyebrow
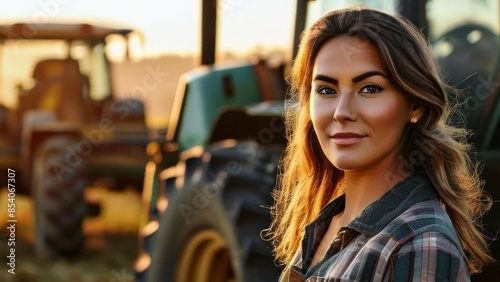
[326,79]
[366,75]
[355,79]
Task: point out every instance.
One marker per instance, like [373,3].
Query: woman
[375,185]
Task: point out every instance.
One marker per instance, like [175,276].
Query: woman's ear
[416,112]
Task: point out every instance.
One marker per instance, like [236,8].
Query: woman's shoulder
[426,219]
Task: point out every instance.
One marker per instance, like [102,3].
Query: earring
[413,120]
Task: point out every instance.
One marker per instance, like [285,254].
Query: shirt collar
[377,215]
[373,219]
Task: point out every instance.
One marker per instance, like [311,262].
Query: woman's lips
[346,138]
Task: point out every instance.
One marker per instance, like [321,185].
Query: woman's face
[359,117]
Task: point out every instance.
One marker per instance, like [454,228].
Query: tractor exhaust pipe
[208,31]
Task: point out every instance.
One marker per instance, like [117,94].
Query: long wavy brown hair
[308,181]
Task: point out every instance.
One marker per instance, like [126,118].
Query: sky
[168,25]
[152,17]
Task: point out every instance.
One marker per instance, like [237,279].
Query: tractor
[64,129]
[208,185]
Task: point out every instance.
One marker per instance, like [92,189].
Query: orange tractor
[64,129]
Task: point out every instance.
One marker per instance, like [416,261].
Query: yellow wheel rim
[205,258]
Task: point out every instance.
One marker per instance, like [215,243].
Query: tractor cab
[58,68]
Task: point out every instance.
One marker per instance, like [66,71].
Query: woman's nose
[344,109]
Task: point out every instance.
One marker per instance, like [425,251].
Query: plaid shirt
[404,236]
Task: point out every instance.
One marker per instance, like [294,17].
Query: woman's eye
[325,90]
[372,89]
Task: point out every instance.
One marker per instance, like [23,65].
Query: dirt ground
[110,245]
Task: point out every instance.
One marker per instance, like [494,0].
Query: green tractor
[65,129]
[208,187]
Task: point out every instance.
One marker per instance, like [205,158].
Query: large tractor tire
[58,185]
[211,230]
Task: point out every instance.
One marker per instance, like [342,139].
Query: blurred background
[85,203]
